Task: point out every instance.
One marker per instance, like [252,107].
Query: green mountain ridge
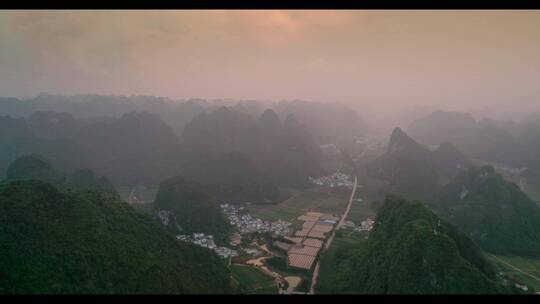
[412,251]
[494,212]
[89,242]
[413,170]
[36,167]
[191,208]
[72,234]
[30,167]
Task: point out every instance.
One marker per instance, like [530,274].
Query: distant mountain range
[515,144]
[325,121]
[414,170]
[231,177]
[284,151]
[35,167]
[139,148]
[188,208]
[144,140]
[135,148]
[495,213]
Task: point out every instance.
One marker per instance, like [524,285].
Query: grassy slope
[403,255]
[253,281]
[341,246]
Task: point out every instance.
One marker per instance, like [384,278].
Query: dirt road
[327,245]
[515,268]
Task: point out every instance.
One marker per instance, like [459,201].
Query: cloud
[387,56]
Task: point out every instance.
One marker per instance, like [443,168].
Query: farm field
[527,265]
[300,203]
[253,281]
[360,211]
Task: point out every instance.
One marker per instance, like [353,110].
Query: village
[285,250]
[337,179]
[246,223]
[299,248]
[207,241]
[365,225]
[255,240]
[299,243]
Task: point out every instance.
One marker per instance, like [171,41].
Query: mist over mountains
[123,137]
[494,212]
[414,169]
[325,120]
[145,139]
[512,143]
[197,154]
[269,152]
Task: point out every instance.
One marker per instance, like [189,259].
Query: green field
[360,211]
[369,190]
[313,200]
[527,265]
[279,264]
[300,203]
[343,243]
[253,281]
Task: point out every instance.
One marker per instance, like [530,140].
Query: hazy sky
[421,57]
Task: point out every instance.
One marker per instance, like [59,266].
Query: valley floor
[261,268]
[526,271]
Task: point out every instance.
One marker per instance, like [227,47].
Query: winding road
[327,245]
